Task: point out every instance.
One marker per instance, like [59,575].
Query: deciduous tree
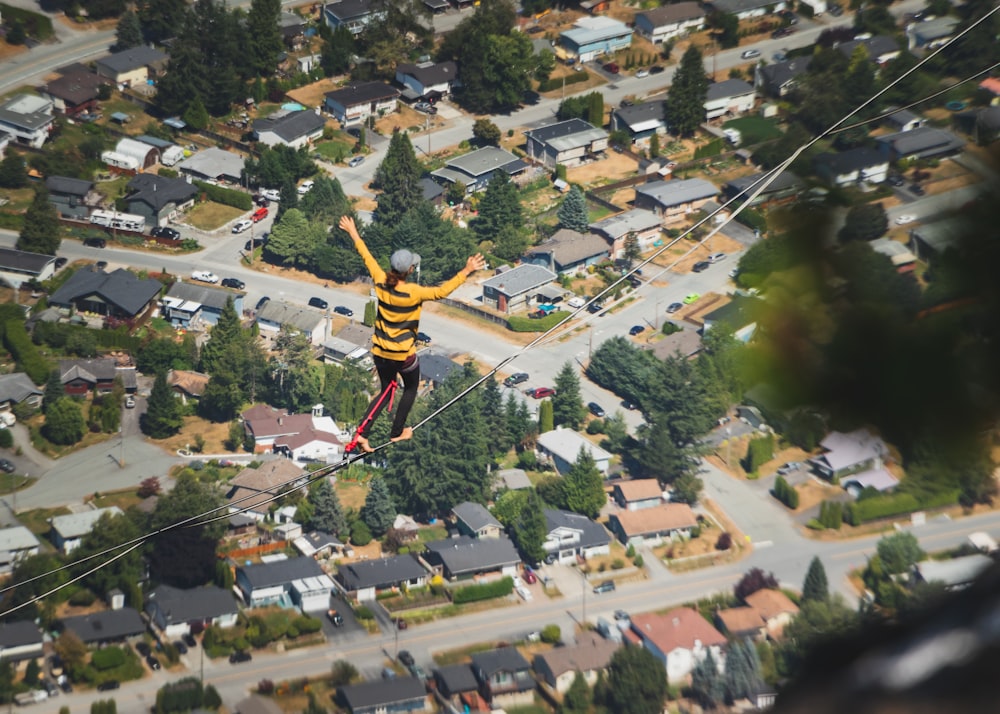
[753,580]
[899,552]
[64,422]
[485,132]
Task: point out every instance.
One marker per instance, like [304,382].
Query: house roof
[780,73]
[727,88]
[105,625]
[680,628]
[880,479]
[675,193]
[520,279]
[991,84]
[659,519]
[512,479]
[204,603]
[467,554]
[902,117]
[670,14]
[16,387]
[19,633]
[309,435]
[357,333]
[348,9]
[291,126]
[430,189]
[382,572]
[23,261]
[895,251]
[621,224]
[566,444]
[189,382]
[263,411]
[255,487]
[155,141]
[213,162]
[383,694]
[740,620]
[159,191]
[935,29]
[26,111]
[746,185]
[846,449]
[851,160]
[592,533]
[922,140]
[957,571]
[280,572]
[17,538]
[475,515]
[355,93]
[456,679]
[590,653]
[282,313]
[75,87]
[68,186]
[686,342]
[771,603]
[566,135]
[132,58]
[734,7]
[205,295]
[436,367]
[594,29]
[316,542]
[568,247]
[429,72]
[76,525]
[120,288]
[644,116]
[503,659]
[481,161]
[255,704]
[876,46]
[639,489]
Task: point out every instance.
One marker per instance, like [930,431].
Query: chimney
[281,421]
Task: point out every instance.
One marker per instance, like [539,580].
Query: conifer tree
[739,679]
[162,417]
[583,487]
[378,512]
[41,232]
[567,407]
[328,514]
[572,213]
[499,208]
[577,698]
[129,31]
[398,177]
[53,390]
[546,422]
[264,35]
[13,173]
[815,586]
[531,530]
[685,103]
[706,683]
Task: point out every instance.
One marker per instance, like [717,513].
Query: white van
[577,302]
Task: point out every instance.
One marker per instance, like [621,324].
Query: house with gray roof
[569,535]
[106,626]
[669,21]
[186,303]
[645,226]
[435,368]
[781,78]
[72,197]
[686,342]
[511,479]
[427,79]
[475,521]
[337,349]
[641,120]
[213,164]
[119,294]
[925,142]
[68,531]
[173,611]
[568,252]
[455,680]
[132,66]
[930,240]
[898,253]
[20,266]
[563,447]
[159,198]
[859,165]
[386,696]
[674,200]
[954,574]
[930,34]
[292,581]
[364,579]
[308,321]
[589,656]
[17,388]
[593,37]
[20,640]
[356,101]
[849,453]
[880,48]
[570,143]
[27,118]
[514,288]
[785,186]
[904,120]
[504,677]
[80,376]
[74,92]
[745,9]
[476,168]
[294,129]
[730,97]
[467,557]
[351,14]
[16,543]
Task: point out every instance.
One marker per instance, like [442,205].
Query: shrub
[225,196]
[551,634]
[360,534]
[759,451]
[484,591]
[82,598]
[786,493]
[6,439]
[725,542]
[831,514]
[617,564]
[630,551]
[595,426]
[107,658]
[638,561]
[307,625]
[363,613]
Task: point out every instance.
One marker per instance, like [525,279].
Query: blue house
[187,303]
[592,37]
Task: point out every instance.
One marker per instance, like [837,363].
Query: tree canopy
[41,232]
[685,103]
[637,682]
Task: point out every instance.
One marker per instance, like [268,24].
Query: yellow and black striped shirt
[397,319]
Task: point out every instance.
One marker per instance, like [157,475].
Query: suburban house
[780,78]
[399,694]
[504,677]
[930,240]
[786,186]
[190,305]
[457,684]
[319,544]
[570,536]
[880,48]
[308,321]
[119,294]
[132,154]
[741,623]
[170,153]
[71,197]
[570,143]
[513,288]
[739,315]
[357,101]
[68,531]
[80,376]
[293,29]
[106,626]
[850,453]
[511,479]
[294,129]
[776,609]
[364,579]
[475,521]
[73,93]
[637,494]
[19,640]
[187,384]
[902,259]
[904,120]
[853,166]
[132,66]
[954,574]
[299,437]
[16,543]
[475,169]
[298,581]
[467,557]
[680,639]
[256,704]
[745,9]
[728,98]
[592,37]
[431,190]
[253,490]
[877,477]
[673,200]
[686,343]
[427,80]
[563,446]
[27,118]
[643,225]
[568,252]
[159,198]
[213,164]
[669,21]
[641,120]
[589,656]
[434,369]
[17,388]
[351,14]
[173,611]
[337,349]
[653,525]
[925,142]
[931,33]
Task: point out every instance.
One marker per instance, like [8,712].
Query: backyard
[209,216]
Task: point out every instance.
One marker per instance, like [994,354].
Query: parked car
[916,189]
[691,298]
[60,262]
[423,338]
[781,32]
[629,404]
[240,656]
[256,242]
[425,107]
[242,225]
[154,664]
[356,161]
[524,593]
[318,302]
[233,283]
[143,648]
[388,673]
[165,232]
[130,401]
[716,257]
[101,264]
[261,303]
[516,379]
[343,310]
[180,647]
[673,307]
[542,392]
[595,307]
[108,686]
[612,67]
[608,586]
[406,659]
[271,194]
[749,54]
[905,218]
[622,616]
[305,187]
[335,618]
[529,576]
[7,466]
[895,180]
[65,684]
[834,9]
[656,69]
[190,641]
[642,73]
[790,466]
[636,330]
[596,409]
[701,266]
[401,623]
[260,214]
[205,276]
[95,242]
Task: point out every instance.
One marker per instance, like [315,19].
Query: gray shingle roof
[384,572]
[75,525]
[19,633]
[306,319]
[120,288]
[466,555]
[279,572]
[670,14]
[592,534]
[456,679]
[779,73]
[17,538]
[474,515]
[384,693]
[727,88]
[876,46]
[567,134]
[734,7]
[68,186]
[924,140]
[520,279]
[158,191]
[481,161]
[851,160]
[567,246]
[361,92]
[635,220]
[204,294]
[348,9]
[214,162]
[132,58]
[24,111]
[21,260]
[675,193]
[429,73]
[436,368]
[291,126]
[505,659]
[640,114]
[749,184]
[204,603]
[106,625]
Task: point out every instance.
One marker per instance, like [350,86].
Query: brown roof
[659,519]
[192,383]
[76,88]
[771,603]
[592,652]
[263,411]
[639,489]
[680,628]
[739,620]
[294,441]
[260,484]
[284,425]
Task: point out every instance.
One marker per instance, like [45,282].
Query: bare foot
[407,434]
[365,446]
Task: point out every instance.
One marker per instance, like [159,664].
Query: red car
[260,214]
[542,392]
[529,577]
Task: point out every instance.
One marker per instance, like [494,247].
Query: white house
[745,9]
[669,21]
[68,531]
[357,101]
[852,166]
[16,542]
[426,79]
[731,97]
[20,639]
[27,118]
[571,535]
[673,200]
[680,639]
[309,321]
[643,225]
[563,447]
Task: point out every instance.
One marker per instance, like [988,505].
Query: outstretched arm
[474,263]
[374,269]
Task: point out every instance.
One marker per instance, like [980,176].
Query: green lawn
[14,482]
[754,129]
[336,149]
[37,520]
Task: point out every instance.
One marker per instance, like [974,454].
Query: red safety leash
[389,391]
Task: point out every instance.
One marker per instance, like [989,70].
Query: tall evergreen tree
[499,208]
[129,31]
[739,679]
[185,557]
[595,109]
[637,682]
[53,390]
[583,487]
[328,514]
[336,50]
[572,213]
[41,232]
[531,530]
[815,586]
[64,422]
[161,19]
[706,683]
[567,406]
[13,173]
[162,417]
[685,103]
[398,177]
[264,35]
[226,331]
[577,698]
[546,420]
[378,512]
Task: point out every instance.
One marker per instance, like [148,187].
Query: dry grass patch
[209,216]
[214,435]
[311,95]
[613,167]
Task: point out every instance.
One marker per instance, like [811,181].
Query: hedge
[786,493]
[56,334]
[17,342]
[35,24]
[107,658]
[226,196]
[895,504]
[712,148]
[485,591]
[181,696]
[557,82]
[752,219]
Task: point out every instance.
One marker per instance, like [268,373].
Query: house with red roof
[680,639]
[300,437]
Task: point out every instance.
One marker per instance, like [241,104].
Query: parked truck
[33,697]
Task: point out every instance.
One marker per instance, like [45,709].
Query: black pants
[387,370]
